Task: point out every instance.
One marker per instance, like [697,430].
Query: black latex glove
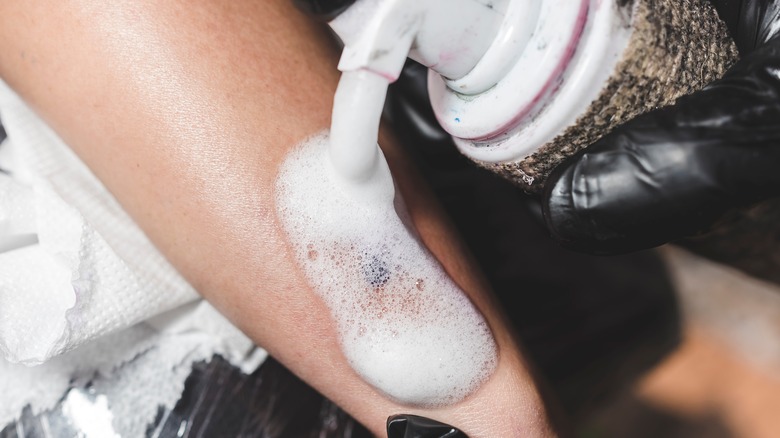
[672,173]
[413,426]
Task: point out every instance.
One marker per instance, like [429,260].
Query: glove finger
[414,426]
[323,10]
[673,172]
[751,22]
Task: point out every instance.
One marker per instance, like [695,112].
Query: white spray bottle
[520,84]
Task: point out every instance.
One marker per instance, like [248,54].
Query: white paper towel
[73,265]
[129,376]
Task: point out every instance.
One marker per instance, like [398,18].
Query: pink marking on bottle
[571,49]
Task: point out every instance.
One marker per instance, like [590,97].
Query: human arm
[185,110]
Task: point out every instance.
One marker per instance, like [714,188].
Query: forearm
[185,111]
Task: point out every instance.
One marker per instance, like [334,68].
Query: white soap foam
[404,325]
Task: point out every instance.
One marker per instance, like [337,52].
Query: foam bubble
[404,325]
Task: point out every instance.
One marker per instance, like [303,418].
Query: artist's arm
[185,110]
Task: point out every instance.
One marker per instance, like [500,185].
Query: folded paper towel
[119,384]
[73,265]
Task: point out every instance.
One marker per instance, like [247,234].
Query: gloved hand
[413,426]
[673,172]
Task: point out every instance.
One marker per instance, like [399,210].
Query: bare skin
[185,110]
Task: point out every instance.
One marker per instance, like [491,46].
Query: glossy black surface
[414,426]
